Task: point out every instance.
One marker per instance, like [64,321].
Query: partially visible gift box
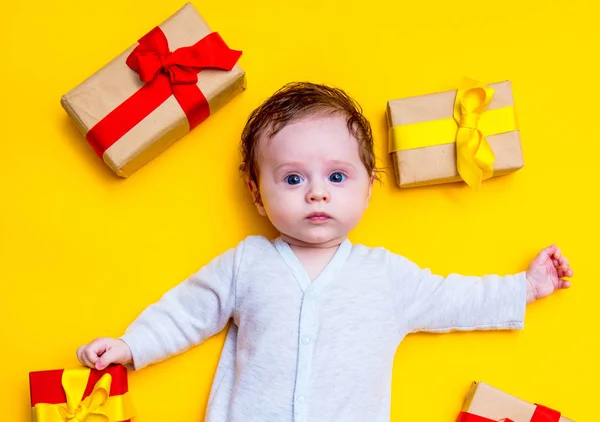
[74,394]
[156,91]
[469,134]
[485,403]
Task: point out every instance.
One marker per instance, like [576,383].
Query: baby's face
[313,185]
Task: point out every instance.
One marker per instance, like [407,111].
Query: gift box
[485,403]
[155,92]
[76,394]
[465,135]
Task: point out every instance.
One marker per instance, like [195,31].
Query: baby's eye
[337,177]
[293,179]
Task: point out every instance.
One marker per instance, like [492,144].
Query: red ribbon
[541,414]
[164,73]
[470,417]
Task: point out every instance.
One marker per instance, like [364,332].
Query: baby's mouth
[318,217]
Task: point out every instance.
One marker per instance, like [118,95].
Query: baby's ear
[371,182]
[255,192]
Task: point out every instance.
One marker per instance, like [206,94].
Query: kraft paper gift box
[485,403]
[80,393]
[156,91]
[469,134]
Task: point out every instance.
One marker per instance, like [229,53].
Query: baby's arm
[429,302]
[185,316]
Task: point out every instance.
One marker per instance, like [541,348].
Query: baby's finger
[564,284]
[113,355]
[544,254]
[98,346]
[91,356]
[79,357]
[564,262]
[548,250]
[95,349]
[82,357]
[557,254]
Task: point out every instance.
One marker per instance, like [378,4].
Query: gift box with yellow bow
[80,394]
[465,135]
[484,403]
[155,92]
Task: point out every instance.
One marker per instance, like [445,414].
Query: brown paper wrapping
[487,401]
[437,164]
[95,97]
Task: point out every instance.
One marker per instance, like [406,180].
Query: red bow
[541,414]
[152,56]
[164,73]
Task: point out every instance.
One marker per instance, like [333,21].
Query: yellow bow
[97,407]
[474,156]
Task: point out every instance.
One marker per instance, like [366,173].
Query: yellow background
[83,252]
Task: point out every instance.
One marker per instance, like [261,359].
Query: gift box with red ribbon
[485,403]
[156,91]
[80,394]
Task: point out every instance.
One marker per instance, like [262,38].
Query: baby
[316,320]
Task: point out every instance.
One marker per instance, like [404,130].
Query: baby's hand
[103,351]
[546,273]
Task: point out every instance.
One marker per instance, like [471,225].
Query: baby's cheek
[354,209]
[282,213]
[353,200]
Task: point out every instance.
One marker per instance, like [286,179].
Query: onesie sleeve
[433,303]
[188,314]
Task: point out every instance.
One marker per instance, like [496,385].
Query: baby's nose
[318,195]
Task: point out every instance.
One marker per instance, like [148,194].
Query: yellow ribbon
[474,156]
[467,126]
[97,407]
